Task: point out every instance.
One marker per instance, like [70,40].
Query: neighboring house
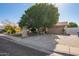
[59,28]
[72,31]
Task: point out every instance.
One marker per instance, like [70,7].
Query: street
[8,48]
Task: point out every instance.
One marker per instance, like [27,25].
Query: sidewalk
[67,49]
[59,47]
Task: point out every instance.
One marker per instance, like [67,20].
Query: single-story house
[59,28]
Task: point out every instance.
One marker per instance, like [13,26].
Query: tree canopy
[40,15]
[72,24]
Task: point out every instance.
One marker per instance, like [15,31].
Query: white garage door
[72,31]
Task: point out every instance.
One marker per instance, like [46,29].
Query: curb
[58,50]
[26,44]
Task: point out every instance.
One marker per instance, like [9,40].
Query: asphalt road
[8,48]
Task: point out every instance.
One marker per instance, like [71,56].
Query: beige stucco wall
[56,30]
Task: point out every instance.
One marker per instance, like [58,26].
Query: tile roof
[61,23]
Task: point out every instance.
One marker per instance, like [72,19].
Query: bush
[9,29]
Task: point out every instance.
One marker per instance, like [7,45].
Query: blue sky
[69,12]
[13,12]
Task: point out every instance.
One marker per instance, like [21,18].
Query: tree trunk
[45,30]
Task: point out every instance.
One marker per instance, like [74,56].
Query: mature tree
[72,24]
[40,15]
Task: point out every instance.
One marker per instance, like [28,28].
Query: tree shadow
[53,42]
[50,44]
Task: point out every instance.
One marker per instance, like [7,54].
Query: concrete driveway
[68,44]
[72,40]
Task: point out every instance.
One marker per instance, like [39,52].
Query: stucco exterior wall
[56,30]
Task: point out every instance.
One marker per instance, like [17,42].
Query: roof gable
[62,24]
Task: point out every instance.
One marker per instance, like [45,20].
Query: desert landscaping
[39,32]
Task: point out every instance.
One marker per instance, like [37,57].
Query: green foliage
[72,24]
[40,15]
